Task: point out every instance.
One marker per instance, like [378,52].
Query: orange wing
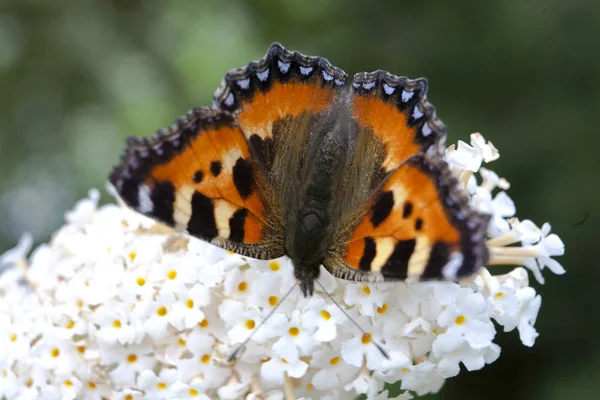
[419,225]
[395,110]
[414,222]
[276,101]
[198,176]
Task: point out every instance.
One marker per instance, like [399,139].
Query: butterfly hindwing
[419,225]
[198,176]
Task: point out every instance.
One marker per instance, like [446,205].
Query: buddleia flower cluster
[116,306]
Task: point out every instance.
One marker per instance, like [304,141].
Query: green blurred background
[77,77]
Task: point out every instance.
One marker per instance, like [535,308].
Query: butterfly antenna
[239,349]
[360,328]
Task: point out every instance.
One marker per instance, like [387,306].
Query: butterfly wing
[198,176]
[222,173]
[409,219]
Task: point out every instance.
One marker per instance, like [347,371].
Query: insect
[293,159]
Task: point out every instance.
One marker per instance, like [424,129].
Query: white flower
[465,321]
[202,364]
[366,297]
[84,209]
[171,276]
[164,386]
[275,369]
[530,306]
[322,318]
[18,254]
[130,360]
[187,311]
[333,372]
[470,157]
[473,359]
[114,324]
[421,378]
[360,347]
[296,338]
[119,306]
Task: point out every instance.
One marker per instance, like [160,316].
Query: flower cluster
[117,306]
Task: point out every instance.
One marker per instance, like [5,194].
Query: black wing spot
[243,177]
[163,200]
[215,168]
[202,223]
[438,258]
[408,209]
[368,254]
[418,224]
[236,225]
[198,176]
[263,150]
[383,208]
[396,266]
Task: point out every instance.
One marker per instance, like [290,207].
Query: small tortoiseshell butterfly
[291,160]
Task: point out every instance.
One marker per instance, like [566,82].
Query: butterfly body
[291,160]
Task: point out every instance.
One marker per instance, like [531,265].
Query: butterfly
[293,160]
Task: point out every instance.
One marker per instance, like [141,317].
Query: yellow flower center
[13,337]
[128,397]
[55,352]
[334,361]
[131,358]
[141,281]
[68,383]
[172,274]
[189,303]
[242,286]
[274,266]
[325,315]
[250,324]
[162,311]
[132,256]
[309,386]
[366,338]
[405,369]
[161,386]
[382,309]
[117,324]
[81,349]
[203,323]
[293,331]
[366,290]
[70,324]
[273,300]
[181,342]
[79,303]
[91,385]
[499,295]
[193,392]
[461,319]
[205,359]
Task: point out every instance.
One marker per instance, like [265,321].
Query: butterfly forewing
[198,177]
[418,226]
